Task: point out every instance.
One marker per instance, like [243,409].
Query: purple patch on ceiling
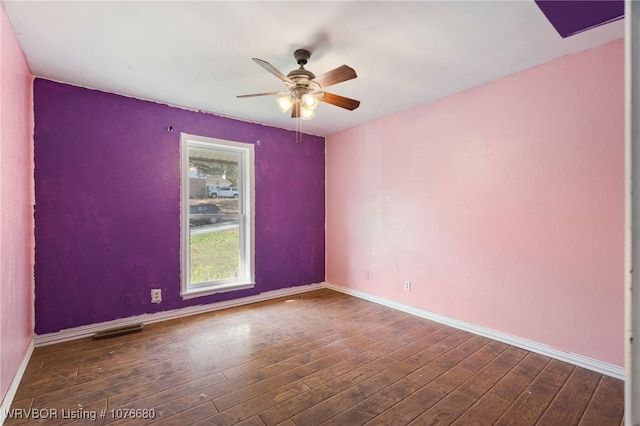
[571,17]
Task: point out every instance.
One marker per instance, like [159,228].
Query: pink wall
[504,205]
[16,200]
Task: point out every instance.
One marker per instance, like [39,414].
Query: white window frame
[246,191]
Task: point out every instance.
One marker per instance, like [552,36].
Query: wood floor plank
[486,378]
[344,400]
[306,400]
[189,416]
[304,365]
[230,359]
[446,411]
[307,349]
[407,410]
[485,411]
[451,379]
[447,360]
[167,407]
[320,377]
[572,399]
[262,387]
[531,404]
[606,406]
[360,413]
[415,341]
[483,356]
[285,410]
[321,357]
[252,421]
[253,406]
[104,387]
[162,391]
[517,380]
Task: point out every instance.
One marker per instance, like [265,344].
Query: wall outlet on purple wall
[156,295]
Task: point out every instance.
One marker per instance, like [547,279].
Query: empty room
[319,212]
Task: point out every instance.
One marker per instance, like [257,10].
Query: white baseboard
[569,357]
[13,387]
[90,330]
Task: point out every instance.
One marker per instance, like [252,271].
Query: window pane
[214,254]
[214,215]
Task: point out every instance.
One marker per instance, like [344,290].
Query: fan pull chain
[298,130]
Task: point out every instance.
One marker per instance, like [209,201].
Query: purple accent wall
[107,215]
[571,17]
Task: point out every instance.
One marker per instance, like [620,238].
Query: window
[217,216]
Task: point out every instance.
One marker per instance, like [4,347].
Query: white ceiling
[197,55]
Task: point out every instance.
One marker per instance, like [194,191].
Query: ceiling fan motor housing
[301,77]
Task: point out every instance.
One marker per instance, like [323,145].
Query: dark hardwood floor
[317,358]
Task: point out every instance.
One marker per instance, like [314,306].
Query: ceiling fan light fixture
[306,113]
[284,103]
[309,101]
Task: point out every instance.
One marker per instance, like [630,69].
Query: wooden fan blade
[295,111]
[338,75]
[261,94]
[340,101]
[273,70]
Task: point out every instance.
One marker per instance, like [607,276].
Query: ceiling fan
[304,89]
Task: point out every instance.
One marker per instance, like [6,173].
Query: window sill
[219,288]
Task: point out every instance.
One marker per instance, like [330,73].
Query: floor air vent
[117,331]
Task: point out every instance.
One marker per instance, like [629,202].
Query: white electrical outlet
[407,285]
[156,295]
